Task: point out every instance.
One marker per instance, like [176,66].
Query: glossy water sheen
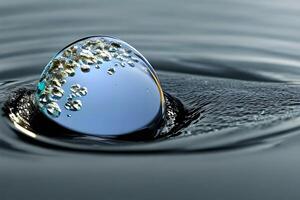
[101,86]
[234,65]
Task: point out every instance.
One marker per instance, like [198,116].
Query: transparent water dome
[101,86]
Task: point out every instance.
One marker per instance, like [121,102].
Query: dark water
[233,64]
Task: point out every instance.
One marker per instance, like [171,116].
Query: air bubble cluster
[84,55]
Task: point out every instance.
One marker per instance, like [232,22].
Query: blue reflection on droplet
[101,86]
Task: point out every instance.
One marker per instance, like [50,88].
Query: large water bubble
[101,86]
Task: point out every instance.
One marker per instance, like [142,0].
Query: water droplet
[57,92]
[123,64]
[130,63]
[43,99]
[82,91]
[101,105]
[73,105]
[56,82]
[77,90]
[70,72]
[111,71]
[53,109]
[85,68]
[105,56]
[74,88]
[134,59]
[115,44]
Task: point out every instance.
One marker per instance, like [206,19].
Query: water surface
[234,65]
